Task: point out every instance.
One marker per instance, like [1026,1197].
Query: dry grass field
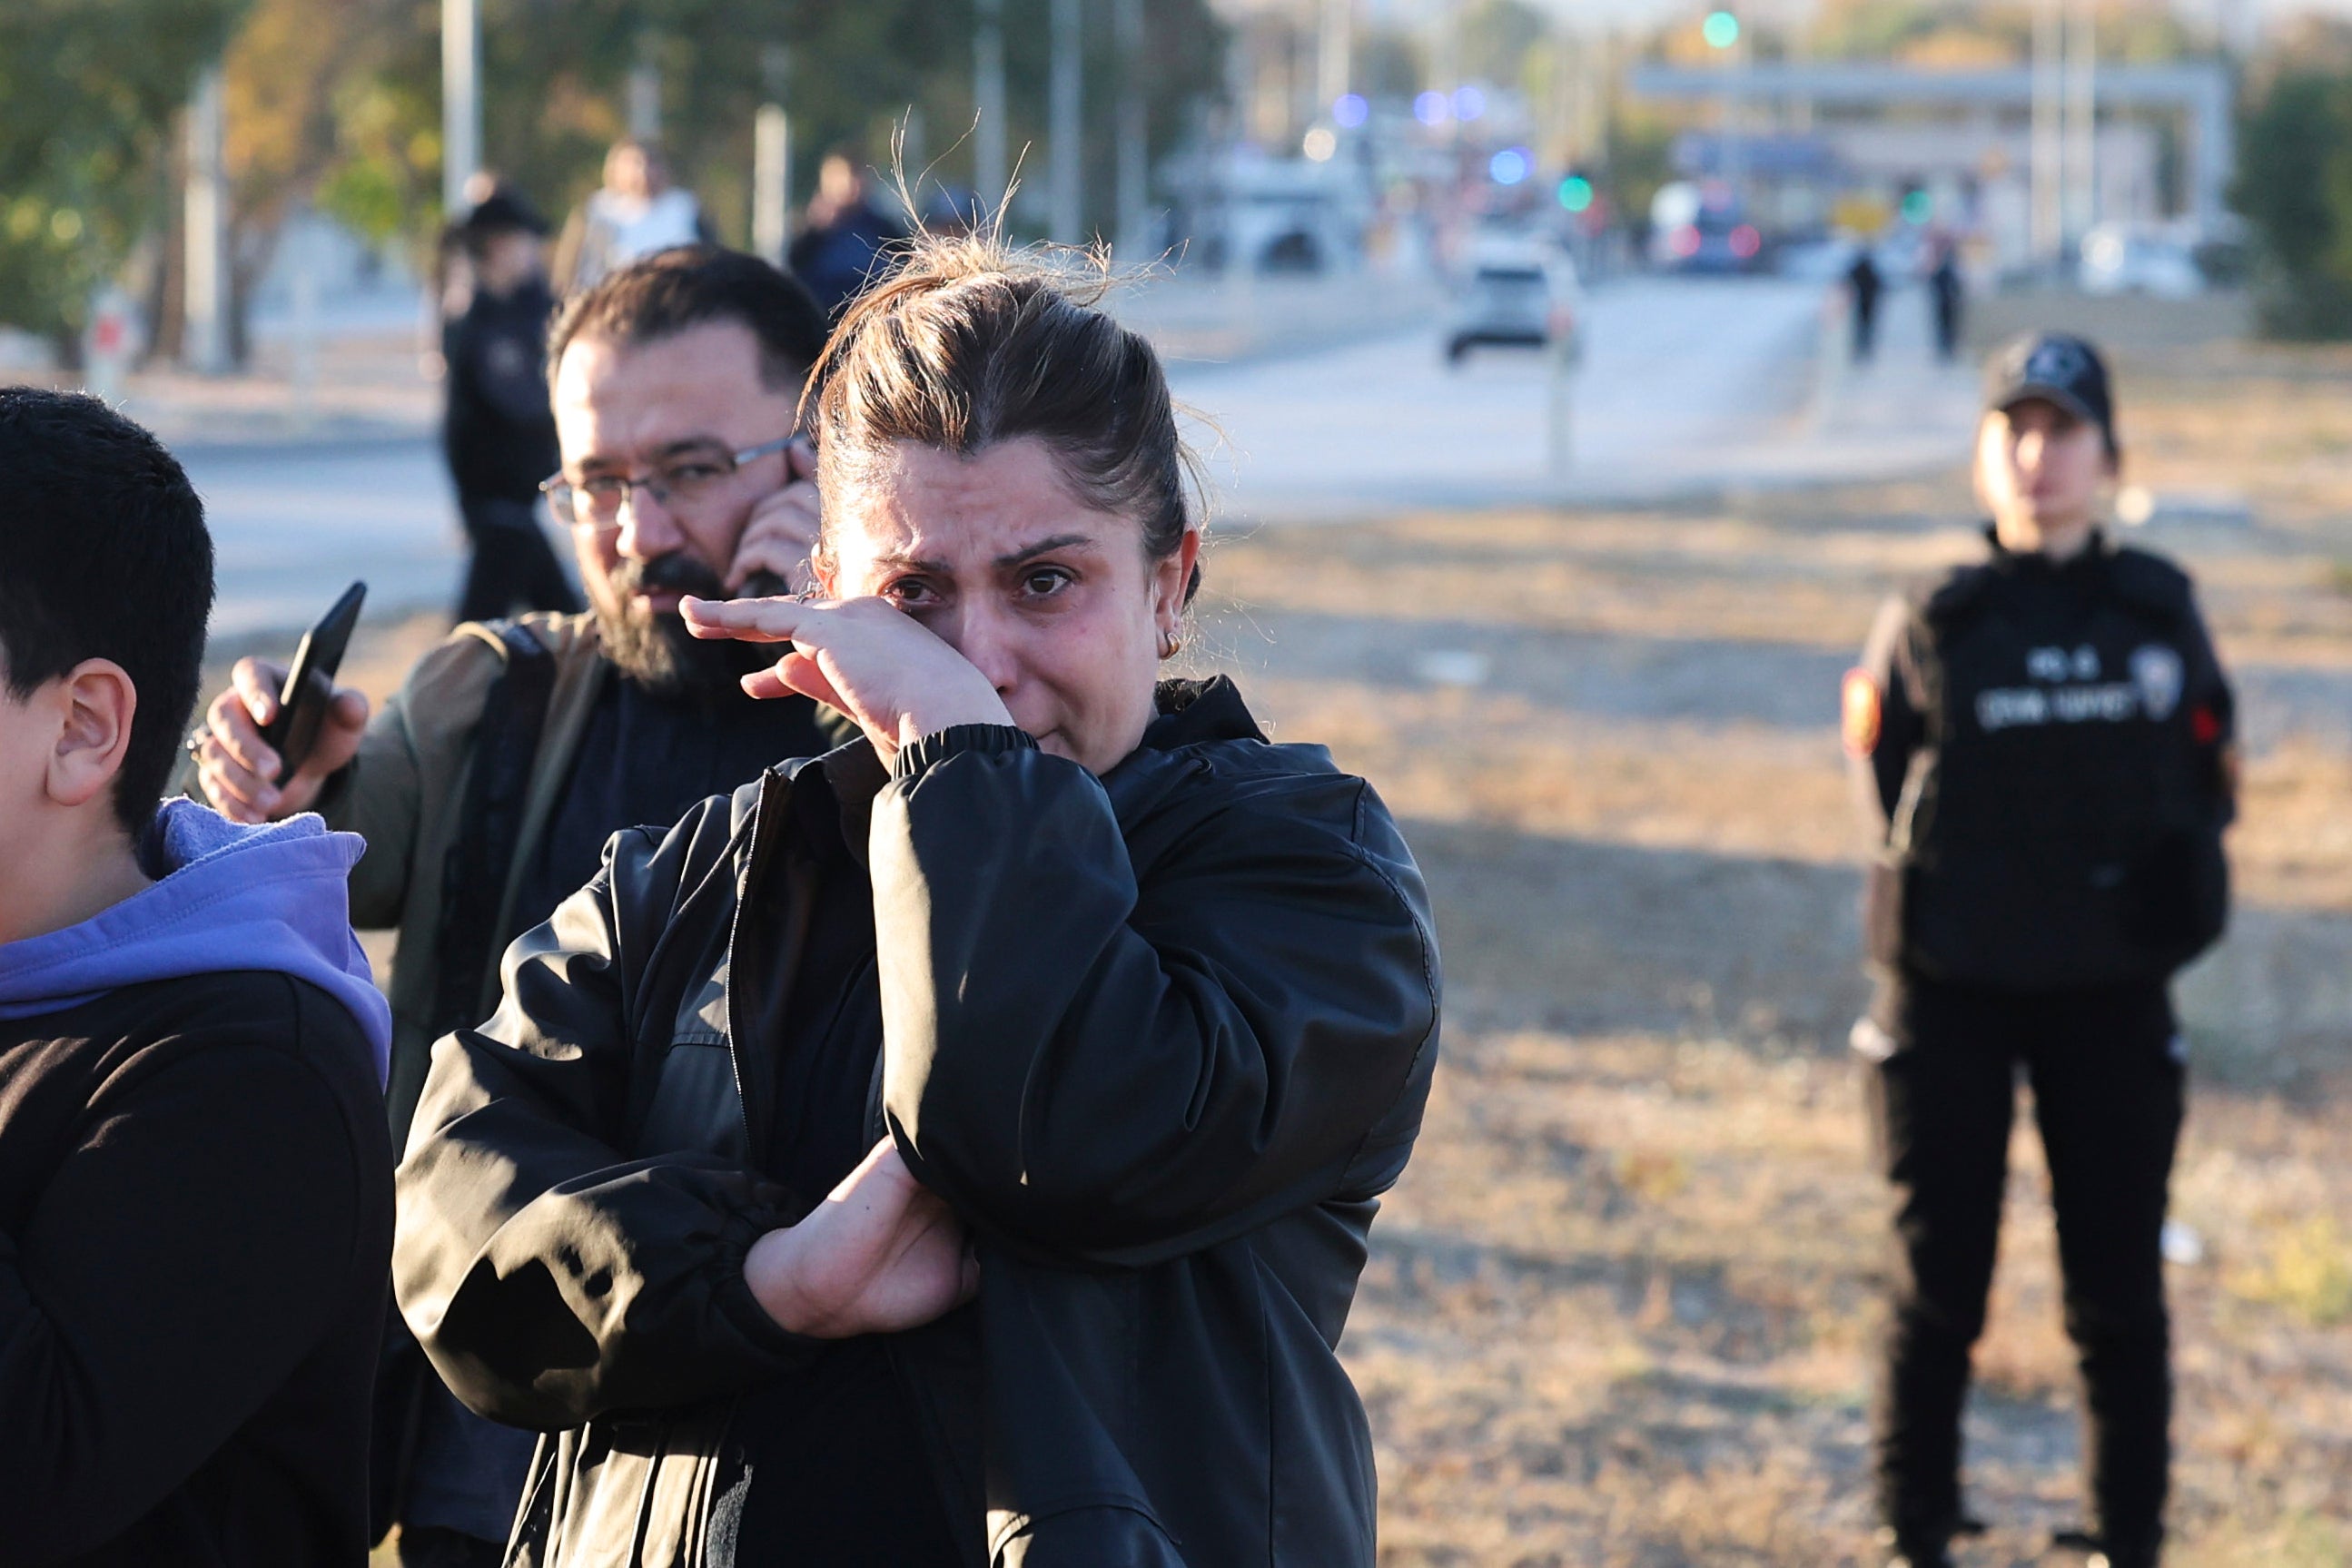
[1619,1311]
[1620,1308]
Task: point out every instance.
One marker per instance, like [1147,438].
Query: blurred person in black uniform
[1865,283]
[838,251]
[498,431]
[1945,293]
[2041,748]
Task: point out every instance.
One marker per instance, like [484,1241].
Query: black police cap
[503,210]
[2057,368]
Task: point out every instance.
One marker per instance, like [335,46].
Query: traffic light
[1721,29]
[1576,192]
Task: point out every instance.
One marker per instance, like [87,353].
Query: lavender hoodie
[274,897]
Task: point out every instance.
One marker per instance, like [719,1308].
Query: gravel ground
[1620,1308]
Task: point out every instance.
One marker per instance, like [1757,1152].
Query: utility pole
[771,161]
[204,341]
[2048,226]
[461,101]
[644,91]
[2082,124]
[1134,152]
[1335,53]
[1065,127]
[988,163]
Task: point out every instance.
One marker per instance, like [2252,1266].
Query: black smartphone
[311,684]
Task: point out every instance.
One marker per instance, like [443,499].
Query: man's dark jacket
[1161,1039]
[196,1207]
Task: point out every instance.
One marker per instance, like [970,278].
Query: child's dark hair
[103,555]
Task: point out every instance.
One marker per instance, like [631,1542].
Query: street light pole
[771,161]
[645,95]
[461,101]
[1334,53]
[205,302]
[1067,129]
[988,167]
[2083,124]
[1134,157]
[2048,226]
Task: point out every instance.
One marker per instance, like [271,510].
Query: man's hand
[879,1254]
[782,534]
[234,765]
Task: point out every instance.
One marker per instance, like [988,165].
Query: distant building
[1813,133]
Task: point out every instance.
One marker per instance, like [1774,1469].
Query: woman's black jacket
[1161,1038]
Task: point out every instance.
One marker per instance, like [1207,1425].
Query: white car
[2121,259]
[1527,298]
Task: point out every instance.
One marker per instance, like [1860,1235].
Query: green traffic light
[1576,192]
[1918,206]
[1721,29]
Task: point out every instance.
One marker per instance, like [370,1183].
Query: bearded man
[487,786]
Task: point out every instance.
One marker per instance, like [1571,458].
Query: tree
[93,88]
[2294,186]
[554,74]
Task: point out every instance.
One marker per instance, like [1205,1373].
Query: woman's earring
[1171,645]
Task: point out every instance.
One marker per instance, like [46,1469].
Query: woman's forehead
[919,501]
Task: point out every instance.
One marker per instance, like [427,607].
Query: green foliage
[2294,186]
[91,88]
[554,76]
[341,100]
[1497,37]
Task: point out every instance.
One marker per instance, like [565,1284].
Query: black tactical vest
[2059,825]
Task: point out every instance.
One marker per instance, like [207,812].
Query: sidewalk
[369,387]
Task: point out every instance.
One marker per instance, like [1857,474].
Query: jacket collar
[1194,710]
[2094,555]
[847,778]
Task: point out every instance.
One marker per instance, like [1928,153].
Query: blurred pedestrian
[489,785]
[841,242]
[1863,285]
[195,1188]
[1946,294]
[954,211]
[496,428]
[1071,989]
[635,213]
[2041,754]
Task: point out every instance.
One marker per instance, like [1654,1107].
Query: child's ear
[95,704]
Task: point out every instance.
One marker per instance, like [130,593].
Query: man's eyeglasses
[594,503]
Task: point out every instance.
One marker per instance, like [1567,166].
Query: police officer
[2042,751]
[497,430]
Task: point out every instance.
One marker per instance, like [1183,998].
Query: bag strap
[481,859]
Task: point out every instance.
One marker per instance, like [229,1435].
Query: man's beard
[656,650]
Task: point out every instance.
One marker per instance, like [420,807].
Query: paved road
[1684,384]
[292,524]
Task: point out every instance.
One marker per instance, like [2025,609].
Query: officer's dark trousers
[2108,1097]
[514,567]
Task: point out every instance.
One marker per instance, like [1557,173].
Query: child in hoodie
[195,1184]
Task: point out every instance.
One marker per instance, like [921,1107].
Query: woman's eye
[1045,581]
[907,591]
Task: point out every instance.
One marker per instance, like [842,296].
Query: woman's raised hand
[880,1255]
[864,656]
